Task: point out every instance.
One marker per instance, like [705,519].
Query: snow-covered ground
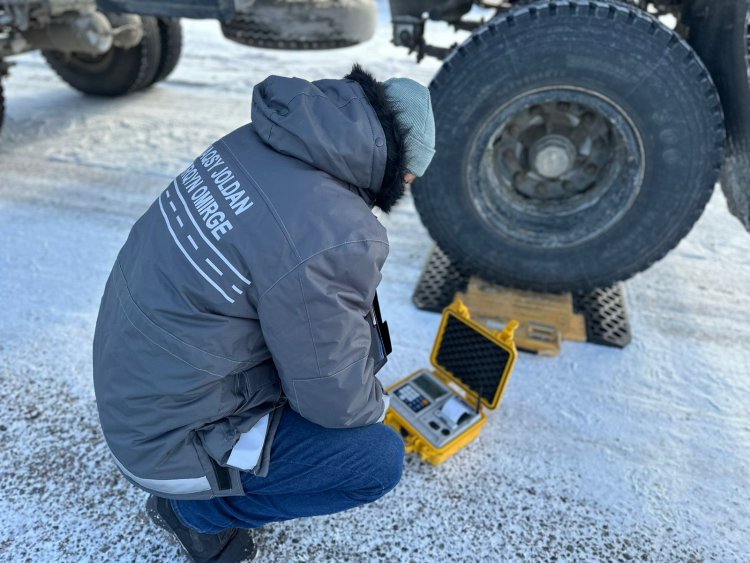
[598,454]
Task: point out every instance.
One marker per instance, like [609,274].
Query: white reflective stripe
[387,401]
[174,486]
[203,236]
[246,451]
[177,241]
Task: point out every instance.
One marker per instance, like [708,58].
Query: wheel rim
[92,64]
[555,167]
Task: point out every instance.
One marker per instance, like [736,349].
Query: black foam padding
[473,358]
[606,314]
[438,283]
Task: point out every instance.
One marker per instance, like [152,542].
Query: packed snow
[598,454]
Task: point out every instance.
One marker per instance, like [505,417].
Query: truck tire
[577,144]
[304,24]
[170,35]
[720,34]
[116,72]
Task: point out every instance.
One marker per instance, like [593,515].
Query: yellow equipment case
[439,411]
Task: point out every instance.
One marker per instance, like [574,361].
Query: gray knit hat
[413,108]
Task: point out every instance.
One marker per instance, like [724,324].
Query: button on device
[434,425]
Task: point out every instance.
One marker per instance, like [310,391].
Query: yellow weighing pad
[440,411]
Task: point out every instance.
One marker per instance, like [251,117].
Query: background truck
[578,141]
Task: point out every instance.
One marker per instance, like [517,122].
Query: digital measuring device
[440,411]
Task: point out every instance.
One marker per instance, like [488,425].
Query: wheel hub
[557,166]
[552,156]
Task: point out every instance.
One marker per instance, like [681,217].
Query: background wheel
[720,33]
[116,72]
[577,143]
[170,35]
[304,24]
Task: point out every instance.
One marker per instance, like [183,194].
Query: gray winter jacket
[246,285]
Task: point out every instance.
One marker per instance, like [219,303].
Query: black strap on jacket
[380,341]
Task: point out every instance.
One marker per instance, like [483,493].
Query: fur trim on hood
[392,188]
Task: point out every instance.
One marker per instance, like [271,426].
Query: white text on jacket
[205,203]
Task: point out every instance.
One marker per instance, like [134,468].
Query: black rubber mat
[606,313]
[605,309]
[438,283]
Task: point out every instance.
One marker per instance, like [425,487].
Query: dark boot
[230,546]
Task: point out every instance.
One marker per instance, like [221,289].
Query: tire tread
[170,34]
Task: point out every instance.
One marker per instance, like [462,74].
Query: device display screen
[427,385]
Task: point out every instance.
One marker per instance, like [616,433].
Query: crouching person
[232,364]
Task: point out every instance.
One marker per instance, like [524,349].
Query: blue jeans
[313,471]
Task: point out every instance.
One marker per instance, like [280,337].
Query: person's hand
[409,178]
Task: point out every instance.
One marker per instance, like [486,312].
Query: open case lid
[478,359]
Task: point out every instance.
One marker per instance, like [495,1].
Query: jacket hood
[392,188]
[328,124]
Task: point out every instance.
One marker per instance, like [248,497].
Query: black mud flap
[718,31]
[197,9]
